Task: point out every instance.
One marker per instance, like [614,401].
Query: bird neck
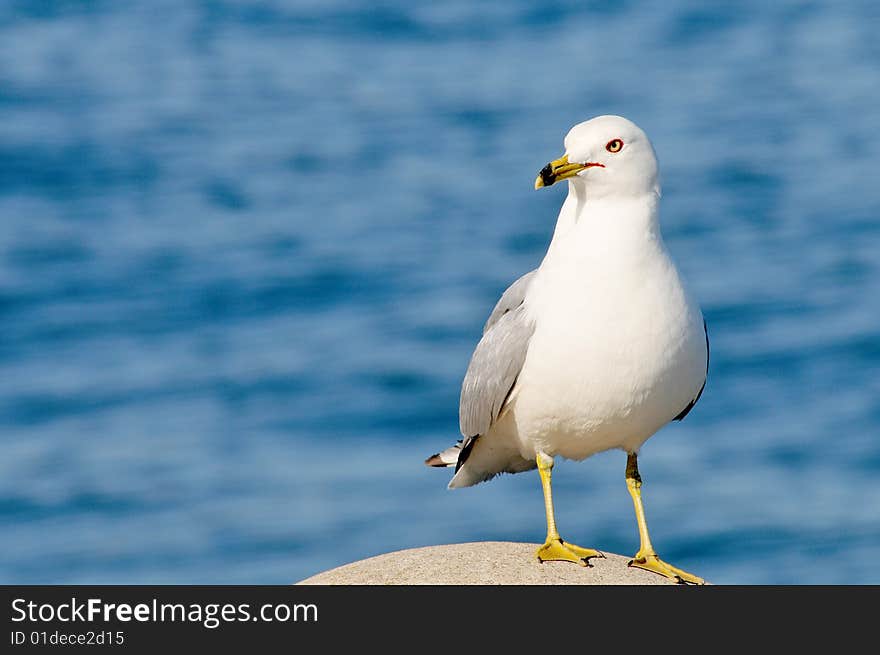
[608,219]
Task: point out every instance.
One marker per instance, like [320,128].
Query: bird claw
[650,562]
[556,550]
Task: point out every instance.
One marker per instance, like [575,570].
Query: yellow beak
[556,170]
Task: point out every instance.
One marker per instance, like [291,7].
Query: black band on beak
[548,177]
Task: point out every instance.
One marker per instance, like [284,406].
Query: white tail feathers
[477,461]
[448,457]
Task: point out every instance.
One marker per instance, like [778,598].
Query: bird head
[609,155]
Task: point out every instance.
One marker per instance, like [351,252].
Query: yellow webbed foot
[556,550]
[650,562]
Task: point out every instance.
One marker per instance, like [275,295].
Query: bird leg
[646,558]
[554,548]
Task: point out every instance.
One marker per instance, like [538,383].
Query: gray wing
[496,362]
[511,299]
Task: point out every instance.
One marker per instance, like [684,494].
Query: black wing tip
[690,406]
[466,449]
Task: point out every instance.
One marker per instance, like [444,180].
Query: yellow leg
[555,549]
[646,558]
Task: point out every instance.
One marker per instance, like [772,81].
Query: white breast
[618,349]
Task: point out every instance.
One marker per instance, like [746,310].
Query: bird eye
[614,145]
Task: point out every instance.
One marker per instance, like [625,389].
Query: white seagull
[597,348]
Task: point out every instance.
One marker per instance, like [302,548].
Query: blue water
[246,249]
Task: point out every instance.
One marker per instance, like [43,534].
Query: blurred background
[247,248]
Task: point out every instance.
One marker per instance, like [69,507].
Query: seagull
[597,348]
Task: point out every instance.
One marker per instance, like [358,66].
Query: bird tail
[448,457]
[474,464]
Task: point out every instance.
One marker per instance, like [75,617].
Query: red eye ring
[614,145]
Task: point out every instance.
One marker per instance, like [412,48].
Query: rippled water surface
[246,249]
